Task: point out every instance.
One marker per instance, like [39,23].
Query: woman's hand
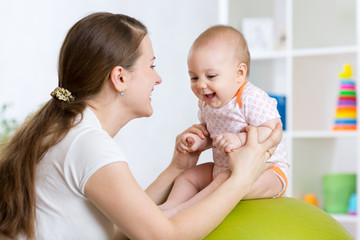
[183,160]
[159,190]
[250,160]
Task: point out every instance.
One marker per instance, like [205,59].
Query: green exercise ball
[279,219]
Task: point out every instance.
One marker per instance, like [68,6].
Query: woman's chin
[147,113]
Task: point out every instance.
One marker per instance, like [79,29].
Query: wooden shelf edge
[309,52]
[322,134]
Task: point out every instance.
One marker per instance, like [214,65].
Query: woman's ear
[241,72]
[117,77]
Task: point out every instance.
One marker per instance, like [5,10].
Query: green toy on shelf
[338,187]
[345,117]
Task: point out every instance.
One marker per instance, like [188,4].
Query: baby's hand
[189,142]
[227,142]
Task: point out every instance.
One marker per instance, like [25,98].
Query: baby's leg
[210,188]
[187,185]
[205,192]
[268,185]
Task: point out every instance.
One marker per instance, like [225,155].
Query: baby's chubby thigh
[200,176]
[221,163]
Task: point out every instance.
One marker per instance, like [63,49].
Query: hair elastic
[62,94]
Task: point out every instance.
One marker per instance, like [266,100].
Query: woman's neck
[111,115]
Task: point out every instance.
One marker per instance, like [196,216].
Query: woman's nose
[158,79]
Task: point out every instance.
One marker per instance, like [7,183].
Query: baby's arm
[264,130]
[228,142]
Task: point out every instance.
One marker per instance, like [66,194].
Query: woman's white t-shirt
[62,209]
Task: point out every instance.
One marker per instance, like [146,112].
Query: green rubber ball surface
[279,219]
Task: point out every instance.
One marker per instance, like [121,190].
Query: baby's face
[214,73]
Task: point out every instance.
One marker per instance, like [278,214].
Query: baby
[218,64]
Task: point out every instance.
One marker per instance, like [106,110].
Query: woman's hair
[91,49]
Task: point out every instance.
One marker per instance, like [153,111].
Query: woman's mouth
[151,94]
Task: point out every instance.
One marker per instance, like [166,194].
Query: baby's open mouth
[210,96]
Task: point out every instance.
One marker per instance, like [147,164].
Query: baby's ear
[241,71]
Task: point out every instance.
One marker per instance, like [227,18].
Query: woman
[62,175]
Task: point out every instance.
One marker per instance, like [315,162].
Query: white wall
[31,33]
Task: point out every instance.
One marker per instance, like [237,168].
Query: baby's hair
[233,36]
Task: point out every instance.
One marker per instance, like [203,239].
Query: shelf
[312,40]
[324,51]
[315,89]
[306,52]
[323,134]
[324,23]
[268,55]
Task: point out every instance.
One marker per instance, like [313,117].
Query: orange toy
[312,199]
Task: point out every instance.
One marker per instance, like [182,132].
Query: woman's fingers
[273,140]
[199,130]
[251,135]
[269,165]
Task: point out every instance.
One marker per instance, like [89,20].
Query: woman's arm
[115,192]
[159,190]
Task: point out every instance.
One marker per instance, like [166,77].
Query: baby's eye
[194,78]
[211,76]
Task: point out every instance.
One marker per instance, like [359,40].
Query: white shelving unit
[320,37]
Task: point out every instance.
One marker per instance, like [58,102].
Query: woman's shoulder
[87,144]
[90,149]
[89,141]
[93,141]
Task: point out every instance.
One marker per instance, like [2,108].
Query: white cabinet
[312,40]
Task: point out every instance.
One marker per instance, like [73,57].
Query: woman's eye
[153,66]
